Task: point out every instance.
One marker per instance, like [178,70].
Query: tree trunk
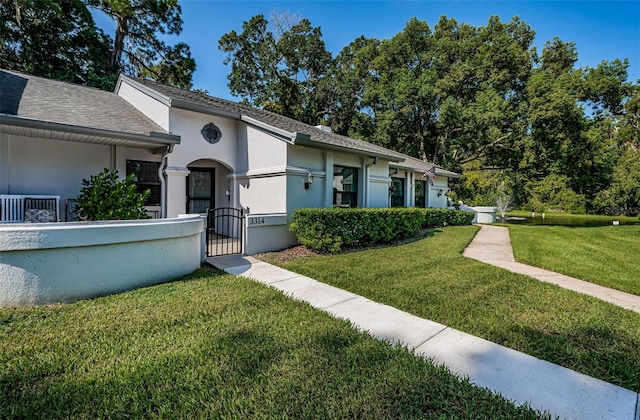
[118,44]
[423,149]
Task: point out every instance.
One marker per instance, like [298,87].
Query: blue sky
[602,30]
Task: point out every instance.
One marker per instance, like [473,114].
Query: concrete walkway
[518,377]
[492,245]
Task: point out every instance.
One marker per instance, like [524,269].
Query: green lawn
[431,279]
[216,346]
[607,255]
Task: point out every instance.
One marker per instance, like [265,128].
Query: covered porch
[54,134]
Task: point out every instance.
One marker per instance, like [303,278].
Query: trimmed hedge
[331,230]
[447,217]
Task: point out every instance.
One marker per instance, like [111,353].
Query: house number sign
[263,220]
[256,221]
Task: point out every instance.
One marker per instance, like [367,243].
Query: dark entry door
[200,190]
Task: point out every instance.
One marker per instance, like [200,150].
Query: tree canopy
[137,49]
[477,99]
[55,39]
[279,68]
[59,39]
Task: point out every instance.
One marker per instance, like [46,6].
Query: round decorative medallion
[211,133]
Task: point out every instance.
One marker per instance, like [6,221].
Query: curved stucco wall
[64,262]
[485,214]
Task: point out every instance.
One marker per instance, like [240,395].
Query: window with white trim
[345,186]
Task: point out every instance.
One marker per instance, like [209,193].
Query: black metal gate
[225,229]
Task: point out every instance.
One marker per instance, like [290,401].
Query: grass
[217,346]
[431,279]
[605,255]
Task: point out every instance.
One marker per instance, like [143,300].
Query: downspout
[366,180]
[163,181]
[112,158]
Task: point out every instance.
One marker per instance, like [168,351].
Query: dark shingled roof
[414,164]
[183,99]
[53,101]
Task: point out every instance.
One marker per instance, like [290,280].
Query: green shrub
[331,230]
[105,197]
[554,193]
[446,217]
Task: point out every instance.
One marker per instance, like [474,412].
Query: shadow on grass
[595,349]
[330,371]
[423,234]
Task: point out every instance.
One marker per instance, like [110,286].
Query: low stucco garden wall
[63,262]
[482,214]
[485,214]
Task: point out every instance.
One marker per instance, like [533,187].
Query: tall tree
[401,92]
[279,69]
[348,114]
[556,118]
[453,95]
[56,39]
[137,48]
[631,121]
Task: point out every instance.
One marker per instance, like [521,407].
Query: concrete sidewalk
[517,376]
[492,245]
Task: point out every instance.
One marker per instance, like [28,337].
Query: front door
[200,190]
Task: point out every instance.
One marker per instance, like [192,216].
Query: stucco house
[194,152]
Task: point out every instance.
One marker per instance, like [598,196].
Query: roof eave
[176,102]
[165,100]
[151,141]
[204,109]
[287,136]
[437,171]
[327,146]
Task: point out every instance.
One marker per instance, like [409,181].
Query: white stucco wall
[303,161]
[379,181]
[51,167]
[264,151]
[353,161]
[149,106]
[41,166]
[267,232]
[195,152]
[439,183]
[306,157]
[137,154]
[260,177]
[300,197]
[63,262]
[193,146]
[263,195]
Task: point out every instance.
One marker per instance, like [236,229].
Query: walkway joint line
[341,302]
[286,279]
[432,337]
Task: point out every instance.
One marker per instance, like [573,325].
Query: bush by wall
[331,230]
[447,217]
[107,197]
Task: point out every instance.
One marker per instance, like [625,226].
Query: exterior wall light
[439,193]
[309,181]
